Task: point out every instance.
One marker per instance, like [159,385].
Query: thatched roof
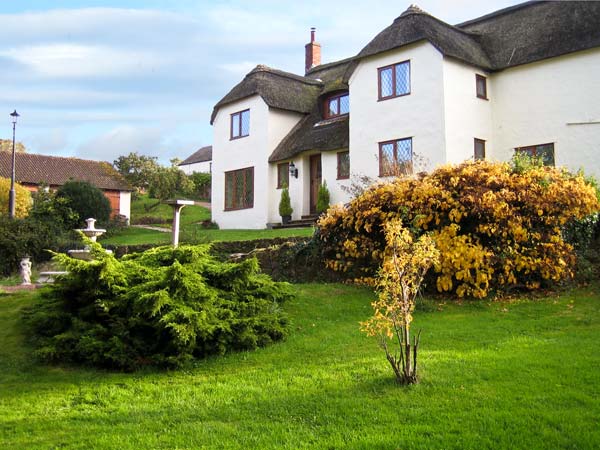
[415,25]
[202,155]
[534,31]
[521,34]
[279,89]
[31,168]
[312,132]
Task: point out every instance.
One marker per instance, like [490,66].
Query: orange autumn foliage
[495,227]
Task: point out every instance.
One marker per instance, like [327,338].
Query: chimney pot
[313,52]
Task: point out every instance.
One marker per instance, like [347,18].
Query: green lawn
[144,206]
[190,230]
[196,234]
[494,375]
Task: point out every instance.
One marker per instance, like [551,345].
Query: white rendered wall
[556,100]
[466,116]
[203,166]
[125,204]
[268,127]
[419,115]
[233,154]
[280,124]
[329,166]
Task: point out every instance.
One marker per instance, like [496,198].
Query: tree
[86,200]
[169,182]
[404,266]
[136,169]
[6,146]
[22,201]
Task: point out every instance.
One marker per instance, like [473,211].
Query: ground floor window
[239,189]
[395,157]
[479,152]
[283,175]
[543,151]
[343,165]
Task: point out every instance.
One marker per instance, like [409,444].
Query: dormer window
[337,105]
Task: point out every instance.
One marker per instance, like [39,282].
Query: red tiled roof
[31,168]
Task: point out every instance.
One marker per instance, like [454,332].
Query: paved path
[150,227]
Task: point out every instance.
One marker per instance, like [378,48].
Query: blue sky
[98,79]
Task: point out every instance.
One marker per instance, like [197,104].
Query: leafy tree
[170,182]
[399,280]
[202,184]
[86,200]
[136,169]
[6,146]
[22,200]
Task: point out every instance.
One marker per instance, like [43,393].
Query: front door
[315,181]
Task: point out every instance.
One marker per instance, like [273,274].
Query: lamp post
[12,196]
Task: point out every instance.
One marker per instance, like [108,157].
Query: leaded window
[283,175]
[338,105]
[239,189]
[343,165]
[479,149]
[395,157]
[543,151]
[394,80]
[481,86]
[240,124]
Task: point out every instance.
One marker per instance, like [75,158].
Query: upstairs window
[394,80]
[239,189]
[343,165]
[481,86]
[338,105]
[240,124]
[395,157]
[543,151]
[479,151]
[283,175]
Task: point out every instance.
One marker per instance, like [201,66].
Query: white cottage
[420,94]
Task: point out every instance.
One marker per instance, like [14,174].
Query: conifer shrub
[285,204]
[163,307]
[323,198]
[496,226]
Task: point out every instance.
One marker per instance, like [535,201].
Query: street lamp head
[14,115]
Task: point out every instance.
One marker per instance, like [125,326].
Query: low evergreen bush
[163,307]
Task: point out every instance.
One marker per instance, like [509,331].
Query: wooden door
[315,181]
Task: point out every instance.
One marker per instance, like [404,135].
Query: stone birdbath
[91,232]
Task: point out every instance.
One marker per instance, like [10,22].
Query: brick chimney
[313,52]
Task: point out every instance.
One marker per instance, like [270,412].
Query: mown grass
[494,375]
[144,206]
[133,236]
[190,229]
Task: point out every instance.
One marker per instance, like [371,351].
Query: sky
[99,79]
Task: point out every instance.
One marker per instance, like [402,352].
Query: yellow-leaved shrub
[495,227]
[23,200]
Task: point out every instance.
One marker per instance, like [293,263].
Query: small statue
[26,271]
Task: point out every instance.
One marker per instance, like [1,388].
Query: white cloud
[76,61]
